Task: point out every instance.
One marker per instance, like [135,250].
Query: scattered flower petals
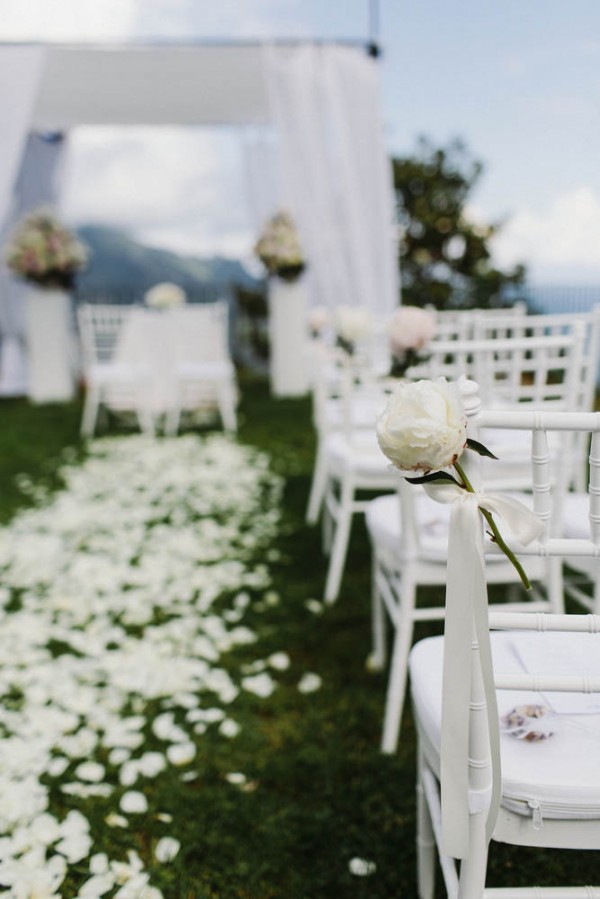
[181,753]
[260,684]
[280,661]
[229,728]
[314,606]
[360,867]
[309,682]
[133,802]
[166,849]
[236,777]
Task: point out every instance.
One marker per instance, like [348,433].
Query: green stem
[494,529]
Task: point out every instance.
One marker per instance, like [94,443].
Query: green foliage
[445,258]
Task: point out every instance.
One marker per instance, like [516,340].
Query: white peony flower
[318,319]
[411,328]
[352,323]
[423,426]
[164,296]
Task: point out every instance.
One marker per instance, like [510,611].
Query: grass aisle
[180,716]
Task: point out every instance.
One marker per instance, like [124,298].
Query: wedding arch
[321,100]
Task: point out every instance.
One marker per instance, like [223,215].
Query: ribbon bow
[467,619]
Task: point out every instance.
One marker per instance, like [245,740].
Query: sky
[518,82]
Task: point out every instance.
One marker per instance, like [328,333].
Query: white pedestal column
[47,317]
[287,332]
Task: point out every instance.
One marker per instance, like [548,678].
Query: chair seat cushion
[384,525]
[561,772]
[361,454]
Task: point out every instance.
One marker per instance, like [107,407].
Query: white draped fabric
[323,101]
[337,179]
[38,184]
[20,72]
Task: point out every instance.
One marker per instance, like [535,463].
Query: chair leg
[226,401]
[556,587]
[341,538]
[426,847]
[90,411]
[378,619]
[317,488]
[173,416]
[396,690]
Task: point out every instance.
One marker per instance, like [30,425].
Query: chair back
[458,324]
[482,748]
[199,333]
[511,371]
[100,326]
[507,327]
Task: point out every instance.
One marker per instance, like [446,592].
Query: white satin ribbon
[467,618]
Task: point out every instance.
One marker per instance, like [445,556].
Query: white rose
[352,323]
[411,328]
[318,319]
[423,426]
[164,295]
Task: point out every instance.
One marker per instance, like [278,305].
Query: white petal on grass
[113,819]
[361,867]
[71,562]
[260,684]
[133,802]
[236,777]
[314,606]
[166,849]
[229,728]
[310,682]
[280,661]
[181,753]
[90,771]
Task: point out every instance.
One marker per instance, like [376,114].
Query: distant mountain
[120,265]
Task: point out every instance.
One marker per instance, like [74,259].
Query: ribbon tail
[466,619]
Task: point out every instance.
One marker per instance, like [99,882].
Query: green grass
[321,792]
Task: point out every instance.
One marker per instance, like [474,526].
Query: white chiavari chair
[409,532]
[108,381]
[202,369]
[509,722]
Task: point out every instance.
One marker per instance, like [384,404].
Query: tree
[445,258]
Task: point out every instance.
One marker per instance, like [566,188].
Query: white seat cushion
[560,772]
[384,525]
[362,454]
[383,521]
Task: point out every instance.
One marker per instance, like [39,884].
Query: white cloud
[183,189]
[560,242]
[66,19]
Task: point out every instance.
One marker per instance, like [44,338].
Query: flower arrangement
[423,428]
[411,328]
[43,251]
[165,296]
[279,249]
[318,320]
[351,324]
